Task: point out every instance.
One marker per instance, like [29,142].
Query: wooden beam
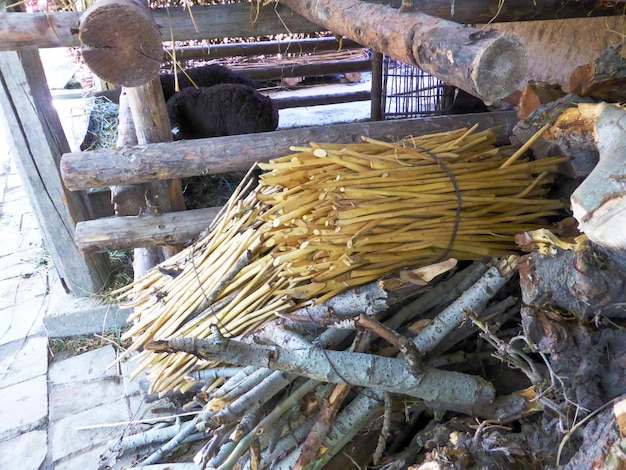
[36,140]
[247,49]
[82,170]
[305,70]
[59,29]
[302,101]
[146,231]
[484,63]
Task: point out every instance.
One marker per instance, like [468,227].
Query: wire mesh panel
[409,92]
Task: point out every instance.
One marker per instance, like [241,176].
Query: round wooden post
[121,42]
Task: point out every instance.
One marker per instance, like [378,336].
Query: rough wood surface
[604,78]
[536,94]
[122,233]
[121,42]
[599,203]
[485,63]
[147,107]
[36,140]
[181,159]
[574,139]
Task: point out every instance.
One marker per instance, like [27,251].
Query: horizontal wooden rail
[302,101]
[248,49]
[123,233]
[174,160]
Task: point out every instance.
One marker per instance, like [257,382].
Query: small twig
[384,432]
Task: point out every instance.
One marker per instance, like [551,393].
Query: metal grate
[409,92]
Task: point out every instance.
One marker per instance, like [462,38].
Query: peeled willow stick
[331,217]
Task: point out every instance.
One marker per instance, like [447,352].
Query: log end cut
[500,68]
[120,42]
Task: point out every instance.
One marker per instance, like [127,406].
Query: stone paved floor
[41,407]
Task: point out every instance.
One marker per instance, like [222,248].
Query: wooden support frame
[37,141]
[58,29]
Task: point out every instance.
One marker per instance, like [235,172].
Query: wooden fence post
[37,141]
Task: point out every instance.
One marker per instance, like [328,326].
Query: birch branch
[358,369]
[473,300]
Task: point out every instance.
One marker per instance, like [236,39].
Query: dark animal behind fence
[205,76]
[220,110]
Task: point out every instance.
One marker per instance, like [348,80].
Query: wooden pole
[486,64]
[83,170]
[144,233]
[147,107]
[377,110]
[247,49]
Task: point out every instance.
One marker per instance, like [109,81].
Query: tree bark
[447,388]
[122,233]
[82,170]
[121,42]
[486,64]
[599,203]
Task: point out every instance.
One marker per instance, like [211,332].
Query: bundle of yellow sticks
[332,216]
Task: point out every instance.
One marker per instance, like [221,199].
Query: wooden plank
[123,233]
[138,164]
[305,70]
[60,29]
[485,63]
[301,101]
[37,141]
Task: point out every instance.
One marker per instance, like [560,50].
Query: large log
[58,29]
[484,63]
[123,233]
[120,42]
[82,170]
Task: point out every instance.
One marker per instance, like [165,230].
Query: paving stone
[22,319]
[23,261]
[65,438]
[87,460]
[139,384]
[68,399]
[18,290]
[89,366]
[27,451]
[23,360]
[23,407]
